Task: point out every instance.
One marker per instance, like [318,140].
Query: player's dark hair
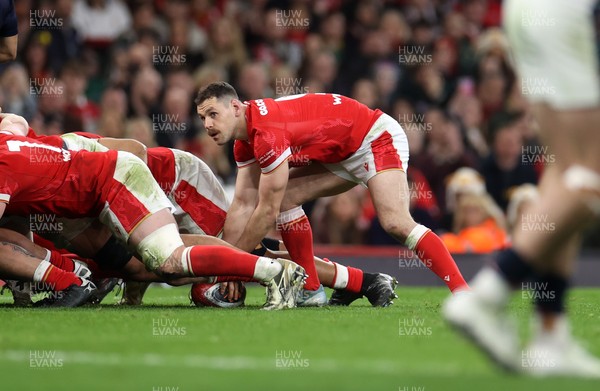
[215,90]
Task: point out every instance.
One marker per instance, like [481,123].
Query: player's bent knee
[159,247]
[399,228]
[585,181]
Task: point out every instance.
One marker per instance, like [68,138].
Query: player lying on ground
[118,188]
[297,148]
[201,206]
[564,55]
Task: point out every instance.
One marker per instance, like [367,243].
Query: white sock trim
[48,255]
[290,215]
[185,261]
[40,271]
[341,276]
[415,235]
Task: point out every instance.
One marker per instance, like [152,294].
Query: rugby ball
[208,295]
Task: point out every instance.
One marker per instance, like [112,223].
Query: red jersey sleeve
[7,187]
[243,153]
[271,148]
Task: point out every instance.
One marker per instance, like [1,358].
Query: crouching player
[118,188]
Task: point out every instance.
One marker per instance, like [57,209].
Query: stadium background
[132,68]
[441,68]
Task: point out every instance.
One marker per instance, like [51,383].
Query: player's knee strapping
[586,182]
[158,246]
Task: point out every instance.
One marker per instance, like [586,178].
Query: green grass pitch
[169,345]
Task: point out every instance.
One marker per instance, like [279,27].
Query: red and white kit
[351,140]
[41,178]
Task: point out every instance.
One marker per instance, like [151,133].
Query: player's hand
[231,290]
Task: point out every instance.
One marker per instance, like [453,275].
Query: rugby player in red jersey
[118,188]
[201,206]
[294,149]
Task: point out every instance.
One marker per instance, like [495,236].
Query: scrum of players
[137,214]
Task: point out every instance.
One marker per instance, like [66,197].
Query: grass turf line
[168,345]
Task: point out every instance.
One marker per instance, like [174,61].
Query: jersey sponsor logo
[337,99]
[262,107]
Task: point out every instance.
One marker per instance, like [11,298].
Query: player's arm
[8,48]
[271,190]
[243,204]
[126,144]
[77,142]
[9,29]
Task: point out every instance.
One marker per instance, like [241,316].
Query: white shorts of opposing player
[554,48]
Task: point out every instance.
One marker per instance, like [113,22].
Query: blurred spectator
[174,122]
[253,82]
[323,69]
[478,227]
[387,75]
[468,108]
[504,168]
[333,32]
[445,152]
[275,48]
[52,103]
[145,93]
[100,22]
[140,129]
[494,76]
[395,27]
[463,181]
[15,86]
[65,42]
[336,218]
[80,113]
[226,46]
[145,60]
[365,91]
[37,56]
[113,105]
[208,73]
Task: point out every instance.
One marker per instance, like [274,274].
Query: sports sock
[54,277]
[60,261]
[550,291]
[346,277]
[433,253]
[297,237]
[225,261]
[512,267]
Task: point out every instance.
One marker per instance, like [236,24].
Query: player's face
[219,117]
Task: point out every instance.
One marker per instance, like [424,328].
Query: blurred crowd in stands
[440,67]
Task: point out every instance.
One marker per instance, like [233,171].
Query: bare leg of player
[569,200]
[390,194]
